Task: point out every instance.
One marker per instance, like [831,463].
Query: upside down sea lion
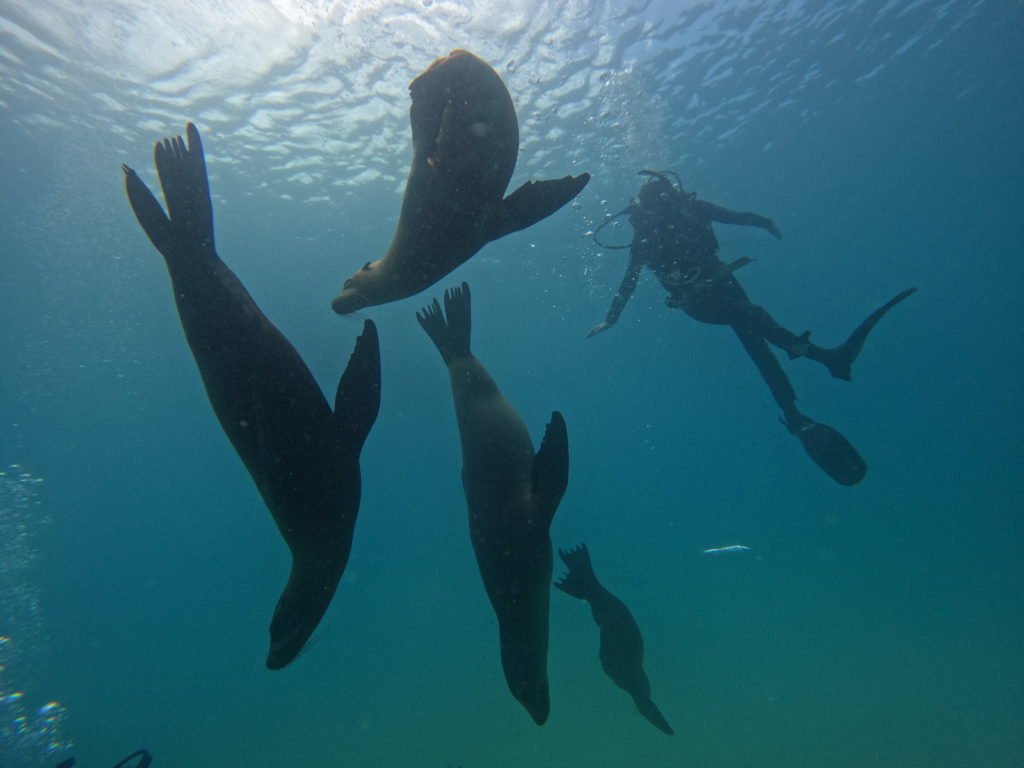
[511,495]
[622,645]
[303,457]
[465,141]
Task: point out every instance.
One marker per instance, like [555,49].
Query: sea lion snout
[531,690]
[290,631]
[348,301]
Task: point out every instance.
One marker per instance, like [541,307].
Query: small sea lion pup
[622,645]
[511,495]
[465,140]
[303,457]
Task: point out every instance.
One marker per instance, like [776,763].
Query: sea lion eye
[347,284]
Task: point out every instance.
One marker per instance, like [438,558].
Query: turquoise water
[879,625]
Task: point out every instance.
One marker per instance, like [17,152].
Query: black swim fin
[831,451]
[533,201]
[839,360]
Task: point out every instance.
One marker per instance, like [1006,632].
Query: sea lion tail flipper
[580,581]
[533,201]
[451,336]
[459,311]
[357,400]
[187,227]
[648,709]
[839,360]
[830,451]
[551,467]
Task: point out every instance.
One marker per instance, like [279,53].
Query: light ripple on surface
[307,84]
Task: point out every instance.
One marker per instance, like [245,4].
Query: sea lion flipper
[533,201]
[357,400]
[580,581]
[147,210]
[186,187]
[551,466]
[187,227]
[451,336]
[458,309]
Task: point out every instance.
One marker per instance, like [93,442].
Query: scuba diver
[673,237]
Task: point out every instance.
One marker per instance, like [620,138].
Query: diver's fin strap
[799,348]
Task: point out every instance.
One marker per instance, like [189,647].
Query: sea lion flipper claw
[357,401]
[551,466]
[534,201]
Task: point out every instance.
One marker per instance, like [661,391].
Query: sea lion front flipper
[357,401]
[551,466]
[533,201]
[831,451]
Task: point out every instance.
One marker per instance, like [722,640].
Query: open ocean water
[879,625]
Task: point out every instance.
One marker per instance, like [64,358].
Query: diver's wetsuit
[674,239]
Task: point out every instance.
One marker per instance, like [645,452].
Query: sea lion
[303,457]
[622,645]
[511,495]
[465,140]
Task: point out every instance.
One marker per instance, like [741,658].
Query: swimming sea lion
[622,645]
[303,457]
[511,495]
[465,140]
